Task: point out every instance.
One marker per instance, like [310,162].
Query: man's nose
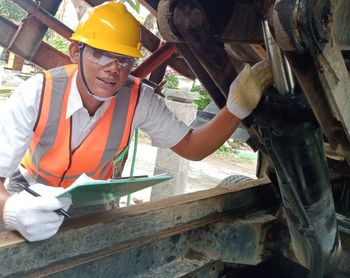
[112,67]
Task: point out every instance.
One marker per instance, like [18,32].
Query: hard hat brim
[108,46]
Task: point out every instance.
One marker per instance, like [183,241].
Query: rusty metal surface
[185,267]
[34,9]
[247,14]
[336,83]
[8,29]
[92,238]
[56,59]
[191,28]
[25,40]
[151,42]
[283,21]
[232,240]
[251,54]
[342,23]
[156,59]
[162,258]
[191,21]
[308,79]
[177,268]
[312,30]
[214,91]
[31,31]
[165,23]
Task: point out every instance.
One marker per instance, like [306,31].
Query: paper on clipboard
[86,190]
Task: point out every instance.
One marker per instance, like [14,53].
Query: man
[76,119]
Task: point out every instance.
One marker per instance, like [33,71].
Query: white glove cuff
[237,110]
[9,220]
[9,216]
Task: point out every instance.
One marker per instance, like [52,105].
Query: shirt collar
[75,103]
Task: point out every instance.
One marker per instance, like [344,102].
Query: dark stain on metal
[175,239]
[194,255]
[170,258]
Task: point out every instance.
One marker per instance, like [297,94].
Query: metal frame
[34,27]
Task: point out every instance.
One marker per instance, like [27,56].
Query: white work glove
[246,90]
[35,217]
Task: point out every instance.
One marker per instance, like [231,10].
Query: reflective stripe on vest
[49,157]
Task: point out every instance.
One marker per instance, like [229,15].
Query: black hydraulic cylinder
[295,144]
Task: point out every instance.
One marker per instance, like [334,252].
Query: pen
[131,177]
[32,192]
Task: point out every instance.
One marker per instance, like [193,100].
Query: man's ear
[74,52]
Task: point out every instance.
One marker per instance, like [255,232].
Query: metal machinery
[292,222]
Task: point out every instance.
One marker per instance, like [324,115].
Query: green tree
[172,81]
[133,4]
[204,98]
[58,42]
[11,11]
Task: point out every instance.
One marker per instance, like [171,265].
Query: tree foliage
[135,4]
[11,10]
[172,80]
[59,43]
[204,98]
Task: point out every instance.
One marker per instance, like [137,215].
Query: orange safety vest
[49,157]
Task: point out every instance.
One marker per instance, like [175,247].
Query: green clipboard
[92,192]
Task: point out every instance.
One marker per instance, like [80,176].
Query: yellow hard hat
[110,27]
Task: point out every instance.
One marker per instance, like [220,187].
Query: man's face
[105,72]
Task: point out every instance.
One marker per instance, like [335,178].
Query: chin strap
[81,65]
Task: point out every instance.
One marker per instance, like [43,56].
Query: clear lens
[103,58]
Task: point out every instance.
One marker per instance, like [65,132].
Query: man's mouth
[109,82]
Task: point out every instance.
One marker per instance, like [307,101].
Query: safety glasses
[103,58]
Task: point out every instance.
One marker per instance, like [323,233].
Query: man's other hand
[246,90]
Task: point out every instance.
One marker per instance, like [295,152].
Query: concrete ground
[202,175]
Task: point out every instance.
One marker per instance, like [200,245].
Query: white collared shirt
[81,121]
[20,113]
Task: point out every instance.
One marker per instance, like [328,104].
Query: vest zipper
[70,152]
